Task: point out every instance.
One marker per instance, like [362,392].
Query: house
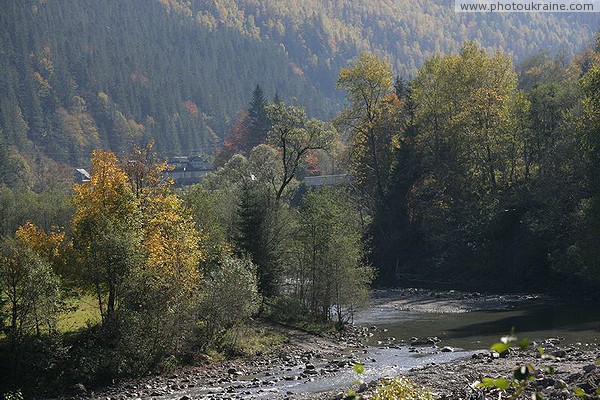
[188,170]
[81,175]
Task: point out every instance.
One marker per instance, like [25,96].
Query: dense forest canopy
[77,75]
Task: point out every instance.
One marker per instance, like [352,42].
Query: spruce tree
[259,120]
[256,237]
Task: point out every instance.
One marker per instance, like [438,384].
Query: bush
[288,309]
[401,388]
[229,297]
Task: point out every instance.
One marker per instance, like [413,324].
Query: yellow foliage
[107,194]
[46,245]
[171,241]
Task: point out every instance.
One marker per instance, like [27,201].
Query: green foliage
[358,368]
[295,136]
[229,298]
[287,309]
[473,174]
[31,289]
[401,388]
[49,208]
[13,396]
[370,120]
[259,122]
[328,273]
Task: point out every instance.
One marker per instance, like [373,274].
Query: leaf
[500,347]
[524,343]
[524,372]
[358,368]
[578,392]
[537,396]
[502,384]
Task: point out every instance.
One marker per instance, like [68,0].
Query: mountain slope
[81,74]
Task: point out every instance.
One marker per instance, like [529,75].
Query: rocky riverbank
[308,366]
[572,367]
[447,302]
[302,359]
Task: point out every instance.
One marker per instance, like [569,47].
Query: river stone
[589,368]
[79,389]
[559,353]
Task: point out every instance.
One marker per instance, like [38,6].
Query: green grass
[260,338]
[81,312]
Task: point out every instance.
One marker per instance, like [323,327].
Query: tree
[330,275]
[260,236]
[31,288]
[590,83]
[258,119]
[229,298]
[107,230]
[370,120]
[295,136]
[139,249]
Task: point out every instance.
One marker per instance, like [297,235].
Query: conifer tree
[259,122]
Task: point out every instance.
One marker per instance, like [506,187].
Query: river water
[532,317]
[391,328]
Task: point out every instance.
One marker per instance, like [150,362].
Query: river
[478,326]
[462,323]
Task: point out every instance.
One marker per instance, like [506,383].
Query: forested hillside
[77,75]
[464,149]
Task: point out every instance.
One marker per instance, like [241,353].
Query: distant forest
[77,75]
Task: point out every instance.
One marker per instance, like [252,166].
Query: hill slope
[75,75]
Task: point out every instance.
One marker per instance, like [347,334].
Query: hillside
[77,75]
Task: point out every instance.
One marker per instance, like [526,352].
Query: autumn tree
[370,120]
[107,230]
[45,245]
[139,249]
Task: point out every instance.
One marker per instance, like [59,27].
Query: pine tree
[256,238]
[259,122]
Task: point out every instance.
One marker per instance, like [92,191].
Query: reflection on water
[539,319]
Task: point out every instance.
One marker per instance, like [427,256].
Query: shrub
[229,297]
[401,388]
